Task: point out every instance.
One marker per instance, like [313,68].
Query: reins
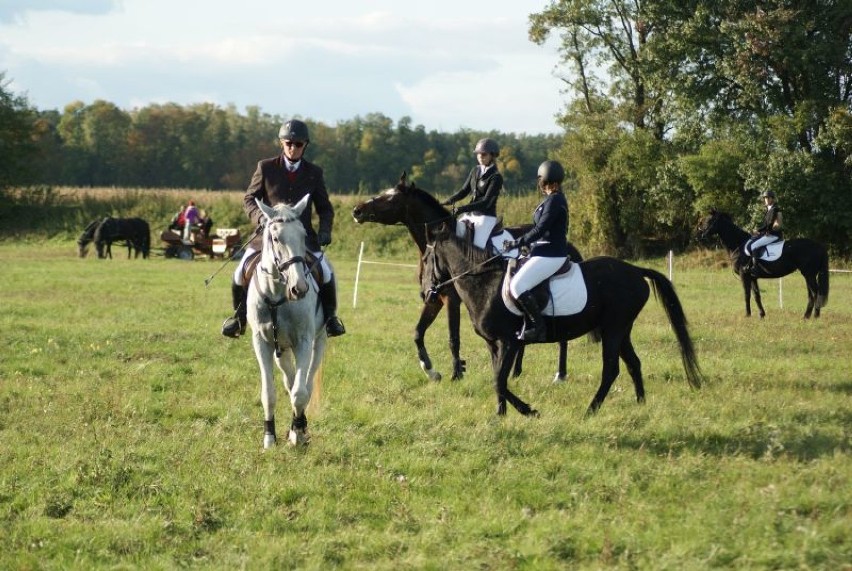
[471,271]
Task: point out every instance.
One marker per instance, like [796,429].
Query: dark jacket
[271,184]
[551,225]
[769,219]
[485,191]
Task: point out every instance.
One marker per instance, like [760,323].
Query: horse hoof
[269,441]
[297,437]
[559,379]
[431,373]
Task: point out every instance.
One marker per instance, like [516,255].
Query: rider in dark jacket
[549,247]
[483,184]
[288,178]
[767,233]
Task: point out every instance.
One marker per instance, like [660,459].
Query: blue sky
[446,64]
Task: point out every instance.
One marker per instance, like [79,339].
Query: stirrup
[232,327]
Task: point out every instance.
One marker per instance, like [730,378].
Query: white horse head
[283,257]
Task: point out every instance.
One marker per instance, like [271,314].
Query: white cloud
[445,64]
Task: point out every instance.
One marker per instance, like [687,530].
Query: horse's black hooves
[533,413]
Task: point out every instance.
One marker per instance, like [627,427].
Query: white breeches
[533,272]
[325,265]
[755,243]
[482,227]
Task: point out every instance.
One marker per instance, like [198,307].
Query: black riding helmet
[551,171]
[487,146]
[294,130]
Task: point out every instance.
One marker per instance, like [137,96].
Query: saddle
[253,260]
[560,294]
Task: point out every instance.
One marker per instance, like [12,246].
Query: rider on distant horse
[485,183]
[549,242]
[767,233]
[288,178]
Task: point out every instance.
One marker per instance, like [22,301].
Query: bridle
[281,265]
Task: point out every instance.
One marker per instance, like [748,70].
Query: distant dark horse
[415,209]
[134,231]
[617,292]
[803,254]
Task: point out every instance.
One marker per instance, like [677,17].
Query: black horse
[135,232]
[803,254]
[617,292]
[416,209]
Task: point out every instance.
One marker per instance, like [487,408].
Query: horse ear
[302,204]
[403,178]
[267,211]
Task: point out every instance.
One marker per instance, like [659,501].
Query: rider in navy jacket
[548,242]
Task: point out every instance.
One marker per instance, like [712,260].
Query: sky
[446,64]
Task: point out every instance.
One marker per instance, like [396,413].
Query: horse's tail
[822,281]
[664,289]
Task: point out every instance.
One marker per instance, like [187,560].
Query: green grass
[130,434]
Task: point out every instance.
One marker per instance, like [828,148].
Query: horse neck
[417,216]
[732,236]
[478,291]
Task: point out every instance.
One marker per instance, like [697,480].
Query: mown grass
[130,434]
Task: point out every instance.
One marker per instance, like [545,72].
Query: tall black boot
[534,330]
[235,325]
[328,299]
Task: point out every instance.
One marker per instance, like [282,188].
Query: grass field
[130,434]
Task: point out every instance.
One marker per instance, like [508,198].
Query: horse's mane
[475,255]
[425,196]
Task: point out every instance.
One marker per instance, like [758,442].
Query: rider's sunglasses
[297,144]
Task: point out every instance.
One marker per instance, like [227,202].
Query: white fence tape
[669,259]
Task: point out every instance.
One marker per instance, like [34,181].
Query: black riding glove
[324,237]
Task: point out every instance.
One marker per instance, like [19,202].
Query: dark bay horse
[416,209]
[617,292]
[803,254]
[134,231]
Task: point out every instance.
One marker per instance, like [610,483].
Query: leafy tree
[17,148]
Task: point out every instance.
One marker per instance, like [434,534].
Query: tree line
[671,107]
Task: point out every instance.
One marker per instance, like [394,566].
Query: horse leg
[427,317]
[503,354]
[264,353]
[301,389]
[812,296]
[756,289]
[454,323]
[611,346]
[746,283]
[634,367]
[562,373]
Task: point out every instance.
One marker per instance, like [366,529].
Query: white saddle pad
[773,251]
[497,241]
[568,294]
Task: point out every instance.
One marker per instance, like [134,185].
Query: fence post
[357,276]
[671,264]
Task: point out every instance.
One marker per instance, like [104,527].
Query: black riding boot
[328,298]
[235,325]
[534,329]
